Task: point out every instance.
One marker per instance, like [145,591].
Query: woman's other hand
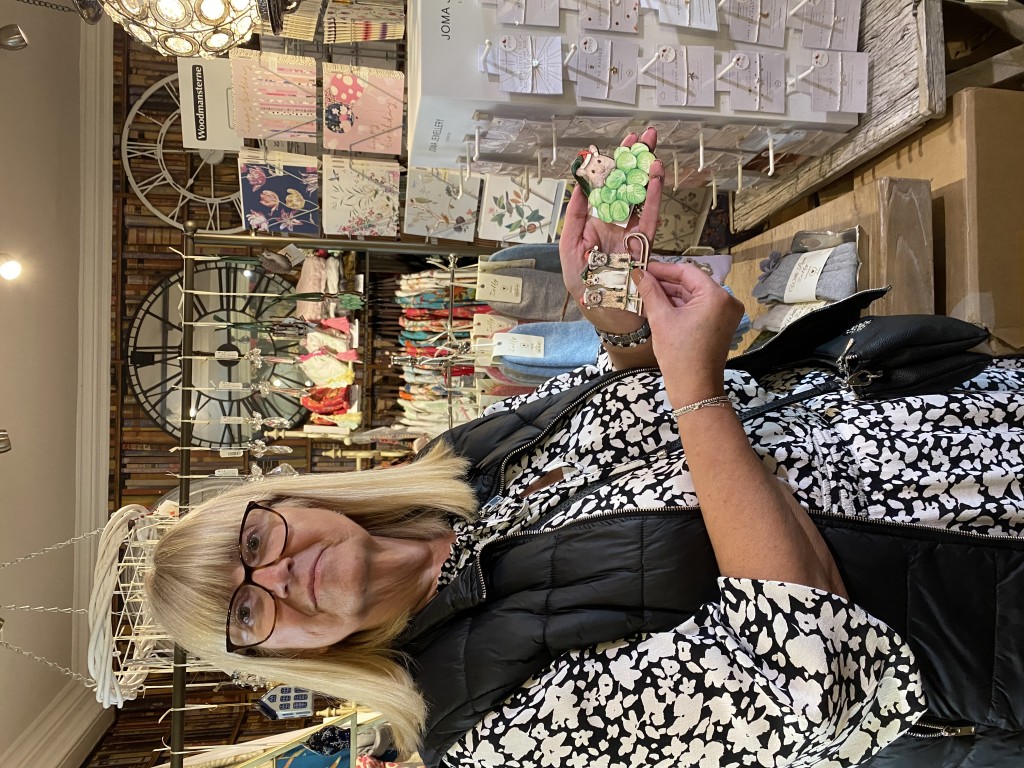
[693,320]
[581,232]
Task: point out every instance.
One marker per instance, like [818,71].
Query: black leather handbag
[874,357]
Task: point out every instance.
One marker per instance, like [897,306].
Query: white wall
[39,340]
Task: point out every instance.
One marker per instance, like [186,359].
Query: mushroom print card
[280,192]
[360,197]
[437,204]
[363,109]
[515,212]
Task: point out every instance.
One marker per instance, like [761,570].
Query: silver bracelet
[623,340]
[712,402]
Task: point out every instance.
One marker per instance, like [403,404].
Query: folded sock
[543,296]
[837,280]
[525,378]
[545,255]
[566,346]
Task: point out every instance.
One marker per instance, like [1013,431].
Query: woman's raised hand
[581,231]
[693,320]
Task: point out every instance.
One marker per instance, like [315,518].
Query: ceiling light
[12,38]
[9,268]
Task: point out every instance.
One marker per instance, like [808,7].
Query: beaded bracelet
[712,402]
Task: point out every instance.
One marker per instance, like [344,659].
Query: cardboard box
[895,246]
[974,160]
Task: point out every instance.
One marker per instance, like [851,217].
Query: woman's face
[322,583]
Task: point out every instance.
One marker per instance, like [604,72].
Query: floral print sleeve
[771,674]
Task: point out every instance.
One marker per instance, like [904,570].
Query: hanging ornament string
[41,609]
[87,682]
[53,548]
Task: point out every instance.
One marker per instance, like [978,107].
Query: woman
[560,597]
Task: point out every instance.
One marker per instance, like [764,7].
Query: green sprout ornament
[614,184]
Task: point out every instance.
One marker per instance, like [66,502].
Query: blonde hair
[196,561]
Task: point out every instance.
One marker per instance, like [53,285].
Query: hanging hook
[735,62]
[714,191]
[771,155]
[739,175]
[569,55]
[675,171]
[700,156]
[554,142]
[476,144]
[483,56]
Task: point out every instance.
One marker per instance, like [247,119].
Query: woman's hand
[581,232]
[693,320]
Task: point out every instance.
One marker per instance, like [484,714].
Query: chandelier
[187,27]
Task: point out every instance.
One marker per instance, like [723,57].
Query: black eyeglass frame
[247,572]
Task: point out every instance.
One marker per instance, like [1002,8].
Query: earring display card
[610,15]
[696,14]
[762,22]
[273,96]
[760,86]
[592,67]
[280,192]
[535,13]
[687,80]
[530,63]
[360,197]
[831,24]
[434,206]
[839,81]
[363,109]
[681,219]
[500,134]
[511,213]
[622,75]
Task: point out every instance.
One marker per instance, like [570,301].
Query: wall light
[10,268]
[12,38]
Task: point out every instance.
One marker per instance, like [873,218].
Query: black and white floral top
[771,674]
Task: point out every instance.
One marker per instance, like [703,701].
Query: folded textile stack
[565,346]
[542,294]
[437,318]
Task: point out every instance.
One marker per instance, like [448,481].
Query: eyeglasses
[252,613]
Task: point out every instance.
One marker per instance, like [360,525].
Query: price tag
[229,385]
[803,280]
[232,472]
[757,21]
[231,453]
[491,286]
[490,323]
[226,354]
[518,345]
[232,420]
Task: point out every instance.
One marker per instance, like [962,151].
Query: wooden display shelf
[907,88]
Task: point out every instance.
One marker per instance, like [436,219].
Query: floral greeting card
[280,192]
[681,218]
[513,213]
[273,96]
[360,197]
[435,206]
[363,109]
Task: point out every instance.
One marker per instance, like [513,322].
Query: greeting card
[514,211]
[280,192]
[363,109]
[360,197]
[273,96]
[681,218]
[437,205]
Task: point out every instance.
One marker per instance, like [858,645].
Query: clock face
[154,346]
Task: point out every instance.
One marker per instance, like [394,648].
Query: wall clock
[176,183]
[154,347]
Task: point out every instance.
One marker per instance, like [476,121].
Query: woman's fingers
[692,278]
[652,204]
[576,214]
[630,139]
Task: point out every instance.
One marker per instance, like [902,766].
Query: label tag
[225,354]
[232,472]
[757,21]
[517,345]
[231,453]
[232,420]
[491,286]
[490,323]
[799,310]
[494,266]
[294,254]
[482,349]
[229,385]
[803,280]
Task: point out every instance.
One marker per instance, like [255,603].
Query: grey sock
[543,297]
[838,278]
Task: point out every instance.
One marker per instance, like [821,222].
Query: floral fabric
[280,194]
[360,197]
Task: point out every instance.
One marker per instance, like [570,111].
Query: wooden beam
[992,71]
[907,88]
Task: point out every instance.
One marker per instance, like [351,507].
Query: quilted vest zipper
[916,526]
[556,421]
[619,512]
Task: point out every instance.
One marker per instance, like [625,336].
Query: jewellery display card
[593,64]
[839,81]
[434,206]
[500,134]
[280,192]
[273,96]
[762,22]
[622,75]
[511,213]
[363,109]
[535,13]
[759,83]
[696,14]
[360,197]
[610,15]
[530,63]
[831,24]
[686,79]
